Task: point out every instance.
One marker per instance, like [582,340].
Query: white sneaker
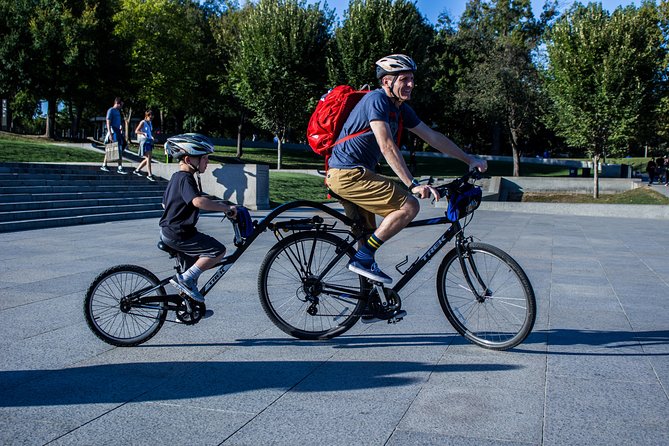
[150,178]
[105,169]
[137,172]
[121,171]
[187,287]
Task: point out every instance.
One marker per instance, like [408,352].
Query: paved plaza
[595,370]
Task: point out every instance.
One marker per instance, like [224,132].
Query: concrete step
[74,220]
[70,176]
[85,210]
[74,203]
[64,169]
[102,181]
[118,188]
[36,196]
[57,196]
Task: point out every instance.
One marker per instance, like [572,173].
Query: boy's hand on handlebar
[425,192]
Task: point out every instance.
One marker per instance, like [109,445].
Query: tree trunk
[126,122]
[50,130]
[278,162]
[595,162]
[516,152]
[496,139]
[240,127]
[77,123]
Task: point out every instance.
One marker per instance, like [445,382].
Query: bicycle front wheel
[499,312]
[306,288]
[117,319]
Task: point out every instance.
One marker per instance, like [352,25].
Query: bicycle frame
[226,263]
[263,225]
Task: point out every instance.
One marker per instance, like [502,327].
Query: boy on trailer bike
[351,173]
[182,202]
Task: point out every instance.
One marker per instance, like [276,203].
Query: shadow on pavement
[169,381]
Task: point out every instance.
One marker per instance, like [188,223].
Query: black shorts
[200,245]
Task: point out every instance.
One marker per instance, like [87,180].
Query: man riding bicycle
[351,173]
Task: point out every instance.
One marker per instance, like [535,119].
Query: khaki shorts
[369,193]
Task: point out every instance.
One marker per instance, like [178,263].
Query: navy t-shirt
[114,117]
[363,150]
[180,215]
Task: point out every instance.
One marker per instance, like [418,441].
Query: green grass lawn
[32,149]
[640,195]
[284,187]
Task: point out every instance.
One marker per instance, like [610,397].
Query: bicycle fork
[468,264]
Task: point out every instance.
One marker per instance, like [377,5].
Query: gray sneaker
[120,170]
[188,287]
[105,169]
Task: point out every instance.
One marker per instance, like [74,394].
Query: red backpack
[328,119]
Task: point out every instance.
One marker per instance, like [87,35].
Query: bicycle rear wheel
[294,297]
[116,319]
[504,314]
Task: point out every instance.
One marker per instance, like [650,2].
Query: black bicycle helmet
[192,144]
[394,64]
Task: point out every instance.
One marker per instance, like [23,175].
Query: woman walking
[144,133]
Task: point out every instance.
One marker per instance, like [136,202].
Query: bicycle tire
[105,315]
[506,315]
[285,285]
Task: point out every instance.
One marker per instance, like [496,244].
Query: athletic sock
[193,273]
[366,252]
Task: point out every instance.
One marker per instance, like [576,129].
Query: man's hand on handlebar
[478,163]
[425,192]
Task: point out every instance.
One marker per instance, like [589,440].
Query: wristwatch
[414,183]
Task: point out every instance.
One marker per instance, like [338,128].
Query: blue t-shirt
[114,117]
[180,215]
[146,128]
[363,150]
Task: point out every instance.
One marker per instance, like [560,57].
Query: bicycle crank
[192,313]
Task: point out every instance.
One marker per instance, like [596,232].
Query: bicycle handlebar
[445,189]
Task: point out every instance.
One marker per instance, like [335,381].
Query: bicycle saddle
[163,247]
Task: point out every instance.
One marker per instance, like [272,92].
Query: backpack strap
[344,139]
[351,136]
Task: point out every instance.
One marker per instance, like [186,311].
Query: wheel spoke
[504,315]
[292,294]
[113,319]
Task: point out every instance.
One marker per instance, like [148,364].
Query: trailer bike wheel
[113,312]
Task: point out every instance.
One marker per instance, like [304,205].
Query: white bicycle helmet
[394,64]
[192,144]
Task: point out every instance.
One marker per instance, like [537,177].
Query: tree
[169,44]
[226,30]
[497,82]
[15,52]
[280,63]
[603,76]
[64,56]
[373,29]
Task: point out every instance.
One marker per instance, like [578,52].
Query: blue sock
[367,251]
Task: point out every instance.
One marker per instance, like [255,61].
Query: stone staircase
[34,196]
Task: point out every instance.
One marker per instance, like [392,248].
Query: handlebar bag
[244,222]
[462,202]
